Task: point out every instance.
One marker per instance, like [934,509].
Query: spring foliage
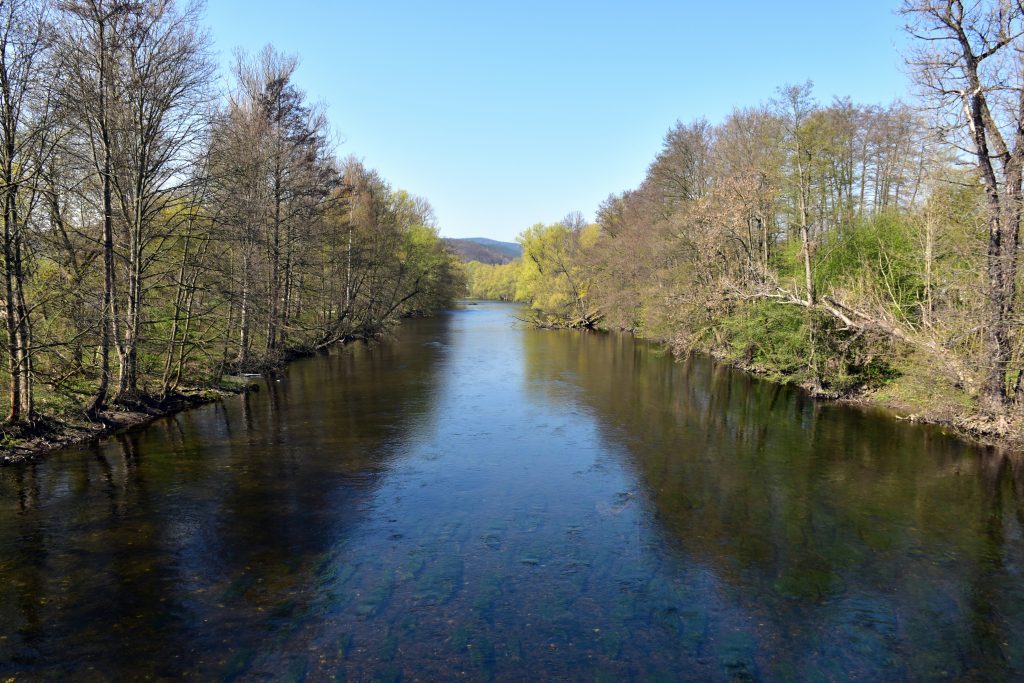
[160,233]
[834,246]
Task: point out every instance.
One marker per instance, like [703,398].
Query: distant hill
[484,250]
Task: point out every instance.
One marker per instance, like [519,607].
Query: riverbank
[918,393]
[50,434]
[986,430]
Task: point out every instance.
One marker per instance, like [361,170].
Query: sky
[504,114]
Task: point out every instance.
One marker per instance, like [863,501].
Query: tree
[94,33]
[748,171]
[272,178]
[164,71]
[186,240]
[796,108]
[969,66]
[27,133]
[551,273]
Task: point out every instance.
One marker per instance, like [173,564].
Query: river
[474,499]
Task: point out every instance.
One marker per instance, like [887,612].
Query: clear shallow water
[476,500]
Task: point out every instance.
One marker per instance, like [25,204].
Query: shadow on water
[475,499]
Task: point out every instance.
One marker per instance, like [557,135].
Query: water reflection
[173,542]
[858,543]
[479,500]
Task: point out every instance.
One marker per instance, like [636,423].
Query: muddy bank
[51,435]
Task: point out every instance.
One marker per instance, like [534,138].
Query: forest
[162,233]
[861,251]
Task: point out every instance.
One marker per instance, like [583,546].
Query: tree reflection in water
[480,499]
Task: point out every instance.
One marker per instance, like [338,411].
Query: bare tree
[796,107]
[27,134]
[164,73]
[969,65]
[139,90]
[94,35]
[271,168]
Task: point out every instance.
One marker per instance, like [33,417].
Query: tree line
[159,233]
[843,246]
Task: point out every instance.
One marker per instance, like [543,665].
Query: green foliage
[492,282]
[879,256]
[787,262]
[552,275]
[436,274]
[789,343]
[770,338]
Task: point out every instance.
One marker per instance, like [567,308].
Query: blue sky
[504,114]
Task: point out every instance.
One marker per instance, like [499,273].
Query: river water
[478,500]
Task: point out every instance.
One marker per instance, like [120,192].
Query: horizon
[502,121]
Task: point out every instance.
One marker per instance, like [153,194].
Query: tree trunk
[179,296]
[929,258]
[107,321]
[243,335]
[13,353]
[24,333]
